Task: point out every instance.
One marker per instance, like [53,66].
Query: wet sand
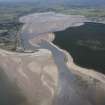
[49,76]
[75,86]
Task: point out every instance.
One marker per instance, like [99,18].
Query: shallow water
[86,44]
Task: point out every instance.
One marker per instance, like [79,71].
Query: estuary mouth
[86,44]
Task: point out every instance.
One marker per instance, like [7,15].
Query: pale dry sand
[36,74]
[39,23]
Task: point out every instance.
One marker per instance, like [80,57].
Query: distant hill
[63,2]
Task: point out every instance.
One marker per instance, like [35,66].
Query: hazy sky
[98,2]
[56,0]
[59,0]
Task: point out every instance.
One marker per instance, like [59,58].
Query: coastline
[50,74]
[70,63]
[78,69]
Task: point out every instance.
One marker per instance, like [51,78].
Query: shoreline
[78,69]
[49,76]
[70,63]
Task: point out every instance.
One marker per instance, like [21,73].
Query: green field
[92,13]
[9,23]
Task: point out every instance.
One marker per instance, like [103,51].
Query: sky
[59,0]
[98,2]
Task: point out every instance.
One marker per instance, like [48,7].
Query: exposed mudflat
[38,25]
[49,76]
[49,22]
